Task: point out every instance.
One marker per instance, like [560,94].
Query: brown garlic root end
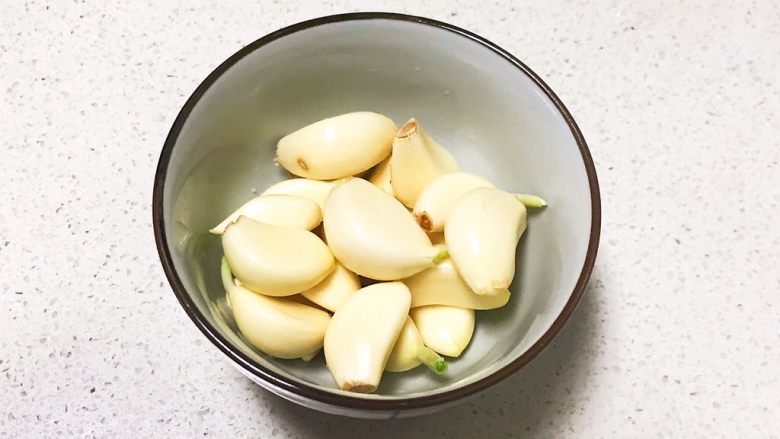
[359,387]
[425,221]
[408,129]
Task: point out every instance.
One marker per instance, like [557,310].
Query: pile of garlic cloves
[382,273]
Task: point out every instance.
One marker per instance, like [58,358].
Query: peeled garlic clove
[338,146]
[362,334]
[279,327]
[275,261]
[436,200]
[380,176]
[277,210]
[314,190]
[482,231]
[404,354]
[373,235]
[445,329]
[416,161]
[410,351]
[442,285]
[334,289]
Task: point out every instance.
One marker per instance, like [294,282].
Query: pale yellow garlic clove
[410,351]
[275,261]
[445,329]
[276,326]
[436,200]
[442,285]
[404,354]
[380,176]
[416,161]
[373,235]
[277,210]
[362,334]
[482,231]
[314,190]
[338,146]
[334,289]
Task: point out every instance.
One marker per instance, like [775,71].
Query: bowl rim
[355,402]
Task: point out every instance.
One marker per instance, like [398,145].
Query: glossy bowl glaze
[492,112]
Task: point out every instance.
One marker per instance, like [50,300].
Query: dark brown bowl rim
[345,401]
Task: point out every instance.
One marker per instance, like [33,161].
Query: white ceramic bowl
[493,113]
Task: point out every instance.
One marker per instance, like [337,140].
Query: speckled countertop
[677,336]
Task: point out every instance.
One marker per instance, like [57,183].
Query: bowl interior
[494,119]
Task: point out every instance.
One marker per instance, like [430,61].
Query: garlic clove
[416,161]
[445,329]
[314,190]
[410,351]
[277,210]
[362,334]
[380,176]
[334,289]
[437,198]
[275,261]
[482,231]
[373,235]
[338,146]
[404,354]
[442,285]
[276,326]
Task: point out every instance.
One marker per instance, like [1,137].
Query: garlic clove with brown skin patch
[334,289]
[276,326]
[435,201]
[338,146]
[445,329]
[482,231]
[373,235]
[275,261]
[277,210]
[416,160]
[362,333]
[437,198]
[442,285]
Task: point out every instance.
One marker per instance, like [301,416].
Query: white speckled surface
[677,336]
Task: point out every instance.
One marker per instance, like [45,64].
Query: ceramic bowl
[491,111]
